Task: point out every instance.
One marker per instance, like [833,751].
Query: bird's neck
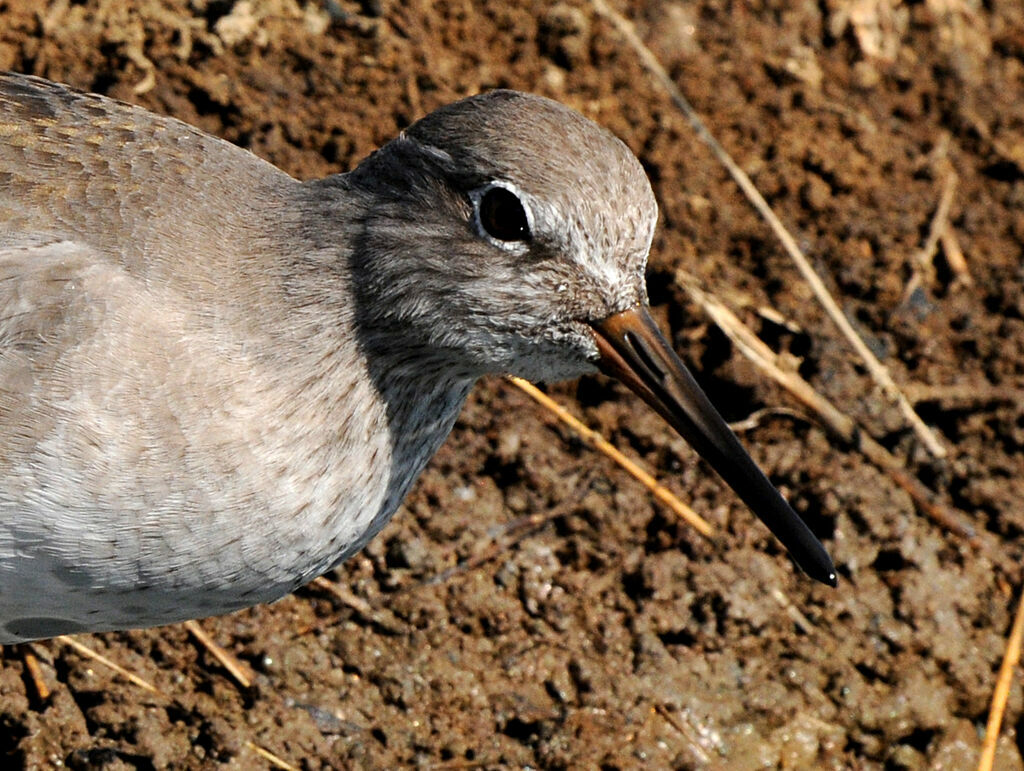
[420,415]
[381,402]
[376,414]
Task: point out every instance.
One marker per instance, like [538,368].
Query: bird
[218,382]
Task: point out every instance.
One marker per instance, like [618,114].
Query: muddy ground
[608,634]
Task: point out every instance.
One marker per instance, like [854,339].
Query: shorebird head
[510,223]
[507,233]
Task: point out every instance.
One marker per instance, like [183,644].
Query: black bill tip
[634,351]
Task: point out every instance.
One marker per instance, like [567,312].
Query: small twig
[270,757]
[955,257]
[765,359]
[343,595]
[95,656]
[669,718]
[755,418]
[598,442]
[35,672]
[965,395]
[236,668]
[1011,657]
[924,258]
[875,367]
[384,621]
[89,653]
[940,220]
[1007,151]
[839,424]
[922,498]
[803,623]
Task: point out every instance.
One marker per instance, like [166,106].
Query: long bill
[634,351]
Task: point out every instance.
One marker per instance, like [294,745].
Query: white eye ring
[501,215]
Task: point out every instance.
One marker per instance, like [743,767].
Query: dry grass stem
[344,596]
[924,259]
[89,653]
[1011,657]
[940,220]
[96,656]
[878,371]
[964,396]
[838,423]
[382,618]
[955,257]
[236,668]
[598,442]
[270,757]
[765,359]
[801,621]
[757,417]
[684,731]
[35,672]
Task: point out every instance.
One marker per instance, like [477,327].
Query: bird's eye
[502,215]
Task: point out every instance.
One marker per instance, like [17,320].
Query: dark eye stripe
[502,215]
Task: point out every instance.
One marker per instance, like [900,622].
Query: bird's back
[172,441]
[82,167]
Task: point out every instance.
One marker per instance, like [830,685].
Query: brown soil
[609,635]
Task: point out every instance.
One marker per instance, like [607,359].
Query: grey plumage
[216,382]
